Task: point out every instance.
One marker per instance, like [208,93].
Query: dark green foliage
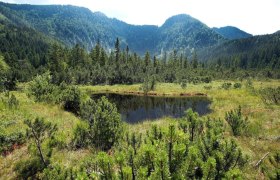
[10,101]
[237,122]
[104,121]
[62,173]
[10,141]
[191,123]
[184,84]
[161,166]
[29,168]
[207,87]
[9,82]
[105,164]
[206,79]
[41,88]
[256,52]
[56,62]
[28,52]
[13,103]
[81,133]
[7,77]
[270,95]
[70,98]
[237,85]
[272,170]
[226,86]
[195,61]
[168,154]
[120,159]
[230,158]
[249,83]
[149,84]
[147,154]
[4,67]
[40,130]
[23,48]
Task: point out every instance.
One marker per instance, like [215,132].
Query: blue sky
[254,16]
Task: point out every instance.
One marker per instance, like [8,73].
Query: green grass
[264,119]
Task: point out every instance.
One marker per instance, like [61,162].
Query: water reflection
[135,109]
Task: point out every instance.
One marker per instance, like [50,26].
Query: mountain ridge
[70,25]
[78,25]
[231,32]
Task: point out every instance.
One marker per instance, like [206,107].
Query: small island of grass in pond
[134,109]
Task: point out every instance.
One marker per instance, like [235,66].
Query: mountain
[69,24]
[277,32]
[77,25]
[254,52]
[183,32]
[230,32]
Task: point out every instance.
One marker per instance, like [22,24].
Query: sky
[253,16]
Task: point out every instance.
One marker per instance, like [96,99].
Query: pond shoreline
[152,93]
[135,108]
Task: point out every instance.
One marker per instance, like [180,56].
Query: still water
[134,109]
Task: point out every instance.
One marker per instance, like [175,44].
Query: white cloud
[253,16]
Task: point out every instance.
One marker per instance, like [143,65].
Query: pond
[134,108]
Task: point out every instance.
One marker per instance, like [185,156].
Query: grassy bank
[11,121]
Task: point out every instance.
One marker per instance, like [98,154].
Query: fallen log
[260,161]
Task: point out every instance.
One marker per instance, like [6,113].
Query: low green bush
[70,99]
[9,141]
[207,87]
[226,86]
[237,85]
[184,84]
[236,121]
[10,100]
[28,169]
[104,125]
[41,88]
[270,95]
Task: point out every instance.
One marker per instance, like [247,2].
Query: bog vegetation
[104,147]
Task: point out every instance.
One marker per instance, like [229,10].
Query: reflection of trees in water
[155,107]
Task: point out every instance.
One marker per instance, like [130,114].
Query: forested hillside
[255,52]
[23,48]
[230,32]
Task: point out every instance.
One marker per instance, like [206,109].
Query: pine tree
[195,61]
[147,59]
[237,123]
[40,130]
[117,50]
[195,125]
[105,126]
